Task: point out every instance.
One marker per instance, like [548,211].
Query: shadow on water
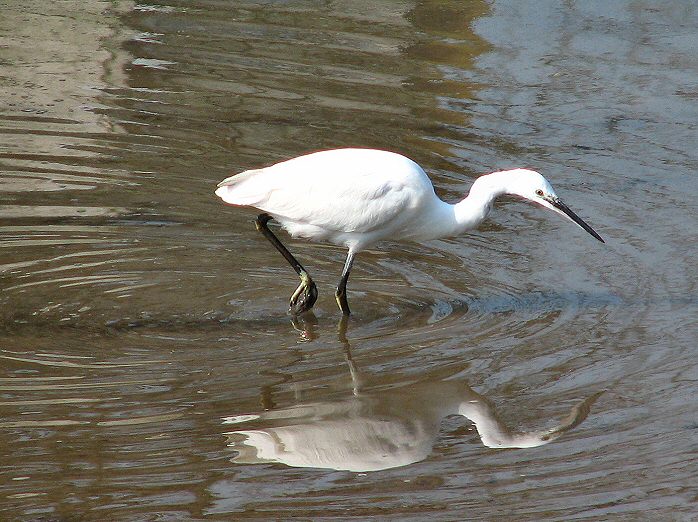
[382,313]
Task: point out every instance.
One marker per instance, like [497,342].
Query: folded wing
[346,190]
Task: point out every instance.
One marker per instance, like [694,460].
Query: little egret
[358,197]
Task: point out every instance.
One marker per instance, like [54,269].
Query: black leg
[305,295]
[341,293]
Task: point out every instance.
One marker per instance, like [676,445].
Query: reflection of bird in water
[358,197]
[379,429]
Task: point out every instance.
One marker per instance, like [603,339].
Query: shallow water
[149,368]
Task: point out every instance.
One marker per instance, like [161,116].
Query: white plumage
[358,197]
[350,197]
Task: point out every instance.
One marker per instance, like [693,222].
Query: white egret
[358,197]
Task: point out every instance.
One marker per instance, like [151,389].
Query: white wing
[344,190]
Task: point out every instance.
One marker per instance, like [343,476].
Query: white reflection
[379,428]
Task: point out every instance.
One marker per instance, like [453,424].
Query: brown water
[149,368]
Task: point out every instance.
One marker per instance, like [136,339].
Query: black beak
[574,217]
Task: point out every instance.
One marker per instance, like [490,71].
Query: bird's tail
[241,189]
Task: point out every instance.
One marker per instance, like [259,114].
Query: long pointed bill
[565,210]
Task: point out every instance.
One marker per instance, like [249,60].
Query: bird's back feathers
[337,191]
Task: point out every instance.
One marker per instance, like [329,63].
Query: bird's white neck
[473,209]
[448,220]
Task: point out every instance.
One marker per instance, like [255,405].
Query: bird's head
[531,185]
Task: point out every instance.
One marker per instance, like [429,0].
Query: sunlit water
[149,368]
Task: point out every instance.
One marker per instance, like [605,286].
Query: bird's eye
[539,192]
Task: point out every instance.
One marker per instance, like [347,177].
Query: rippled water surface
[524,371]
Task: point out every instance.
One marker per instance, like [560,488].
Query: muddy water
[148,367]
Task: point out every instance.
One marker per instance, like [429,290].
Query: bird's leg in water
[341,293]
[305,295]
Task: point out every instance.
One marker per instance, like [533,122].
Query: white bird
[358,197]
